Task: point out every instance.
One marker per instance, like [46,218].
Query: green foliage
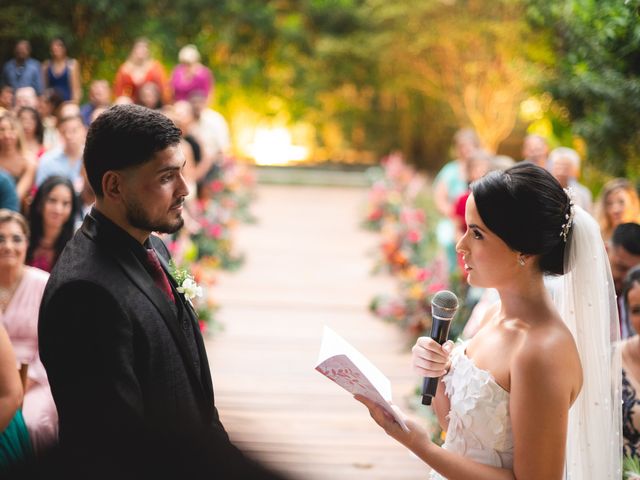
[372,75]
[596,75]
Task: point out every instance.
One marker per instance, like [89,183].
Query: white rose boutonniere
[187,286]
[190,289]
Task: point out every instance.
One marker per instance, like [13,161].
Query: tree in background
[596,75]
[470,55]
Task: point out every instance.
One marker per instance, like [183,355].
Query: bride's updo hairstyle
[527,208]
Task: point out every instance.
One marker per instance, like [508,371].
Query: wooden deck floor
[307,266]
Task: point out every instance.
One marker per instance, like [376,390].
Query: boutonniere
[187,286]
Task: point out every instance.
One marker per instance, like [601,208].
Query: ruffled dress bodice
[479,421]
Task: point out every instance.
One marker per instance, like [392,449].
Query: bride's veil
[586,301]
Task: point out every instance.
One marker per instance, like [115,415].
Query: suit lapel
[195,325]
[143,281]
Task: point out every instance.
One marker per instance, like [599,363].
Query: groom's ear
[112,185]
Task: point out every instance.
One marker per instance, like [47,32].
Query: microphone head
[444,305]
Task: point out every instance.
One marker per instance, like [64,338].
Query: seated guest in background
[149,96]
[65,161]
[191,76]
[33,131]
[212,132]
[48,107]
[535,149]
[13,158]
[8,195]
[25,97]
[631,365]
[99,97]
[6,97]
[564,164]
[617,203]
[23,287]
[52,220]
[139,69]
[22,71]
[62,73]
[624,253]
[15,446]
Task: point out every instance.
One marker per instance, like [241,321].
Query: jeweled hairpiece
[568,216]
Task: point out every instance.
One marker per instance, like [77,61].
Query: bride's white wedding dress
[479,421]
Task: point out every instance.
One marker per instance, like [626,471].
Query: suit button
[185,325]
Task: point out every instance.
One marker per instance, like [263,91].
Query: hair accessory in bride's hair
[568,216]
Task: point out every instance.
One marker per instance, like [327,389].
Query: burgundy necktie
[158,274]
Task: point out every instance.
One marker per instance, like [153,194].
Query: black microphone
[444,305]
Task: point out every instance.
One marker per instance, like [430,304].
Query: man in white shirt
[66,160]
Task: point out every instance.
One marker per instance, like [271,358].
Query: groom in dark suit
[122,348]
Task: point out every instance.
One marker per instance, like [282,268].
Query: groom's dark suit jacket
[127,367]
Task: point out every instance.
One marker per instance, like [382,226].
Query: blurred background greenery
[354,79]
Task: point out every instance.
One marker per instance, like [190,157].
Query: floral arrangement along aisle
[206,245]
[400,209]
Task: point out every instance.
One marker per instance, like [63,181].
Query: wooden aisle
[307,266]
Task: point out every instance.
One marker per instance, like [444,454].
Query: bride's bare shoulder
[549,349]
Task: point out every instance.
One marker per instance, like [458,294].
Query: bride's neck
[520,299]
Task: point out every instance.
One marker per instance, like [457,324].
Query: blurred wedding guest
[96,113]
[535,149]
[123,100]
[449,184]
[15,446]
[139,69]
[52,220]
[6,97]
[65,160]
[62,73]
[68,109]
[33,131]
[22,71]
[564,164]
[631,366]
[184,119]
[477,166]
[211,131]
[149,96]
[23,287]
[13,157]
[99,97]
[25,97]
[624,253]
[181,114]
[48,107]
[8,195]
[191,76]
[618,203]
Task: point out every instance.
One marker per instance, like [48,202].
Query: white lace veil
[586,301]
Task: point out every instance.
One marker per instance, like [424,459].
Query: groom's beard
[138,218]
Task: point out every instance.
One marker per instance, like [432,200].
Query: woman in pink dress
[191,75]
[21,289]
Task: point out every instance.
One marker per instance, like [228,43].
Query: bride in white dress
[535,393]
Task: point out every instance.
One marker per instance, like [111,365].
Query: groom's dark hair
[124,136]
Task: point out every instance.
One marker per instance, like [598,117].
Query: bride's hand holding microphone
[430,359]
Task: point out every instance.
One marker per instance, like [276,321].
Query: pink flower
[376,214]
[436,287]
[215,230]
[216,186]
[422,274]
[414,236]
